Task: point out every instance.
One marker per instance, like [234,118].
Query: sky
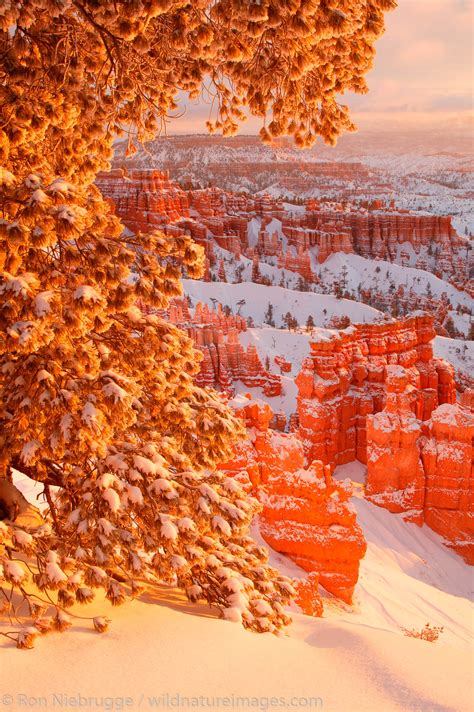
[424,62]
[423,70]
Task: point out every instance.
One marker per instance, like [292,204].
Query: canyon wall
[224,359]
[345,379]
[149,199]
[306,513]
[372,392]
[426,241]
[375,393]
[143,199]
[424,469]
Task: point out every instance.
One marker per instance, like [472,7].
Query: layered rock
[395,475]
[299,262]
[144,199]
[148,199]
[423,469]
[225,361]
[345,379]
[274,452]
[306,514]
[425,241]
[467,399]
[447,454]
[307,595]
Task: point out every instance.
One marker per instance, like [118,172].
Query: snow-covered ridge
[257,297]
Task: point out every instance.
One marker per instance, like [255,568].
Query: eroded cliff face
[144,199]
[345,379]
[375,393]
[149,199]
[378,233]
[424,469]
[396,478]
[306,513]
[447,455]
[224,359]
[372,392]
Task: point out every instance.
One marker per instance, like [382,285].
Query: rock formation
[375,393]
[224,359]
[147,199]
[395,475]
[447,454]
[344,380]
[382,234]
[307,595]
[371,392]
[144,199]
[423,469]
[306,514]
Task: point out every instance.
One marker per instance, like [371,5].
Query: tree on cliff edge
[96,396]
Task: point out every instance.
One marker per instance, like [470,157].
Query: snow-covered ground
[252,300]
[408,576]
[458,352]
[162,651]
[255,299]
[380,274]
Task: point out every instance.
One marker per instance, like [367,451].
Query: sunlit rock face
[146,199]
[143,199]
[372,392]
[375,393]
[345,380]
[388,234]
[447,454]
[306,513]
[395,474]
[424,469]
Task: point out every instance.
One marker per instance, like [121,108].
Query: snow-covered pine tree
[96,396]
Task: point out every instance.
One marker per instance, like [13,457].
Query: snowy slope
[355,660]
[459,353]
[408,576]
[257,298]
[167,647]
[294,346]
[379,274]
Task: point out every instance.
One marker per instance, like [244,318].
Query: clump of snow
[112,499]
[86,293]
[42,303]
[29,450]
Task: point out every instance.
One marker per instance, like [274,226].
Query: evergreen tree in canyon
[97,397]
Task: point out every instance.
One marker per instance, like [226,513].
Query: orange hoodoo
[447,453]
[424,469]
[395,475]
[306,514]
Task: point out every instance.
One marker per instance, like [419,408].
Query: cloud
[453,102]
[424,60]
